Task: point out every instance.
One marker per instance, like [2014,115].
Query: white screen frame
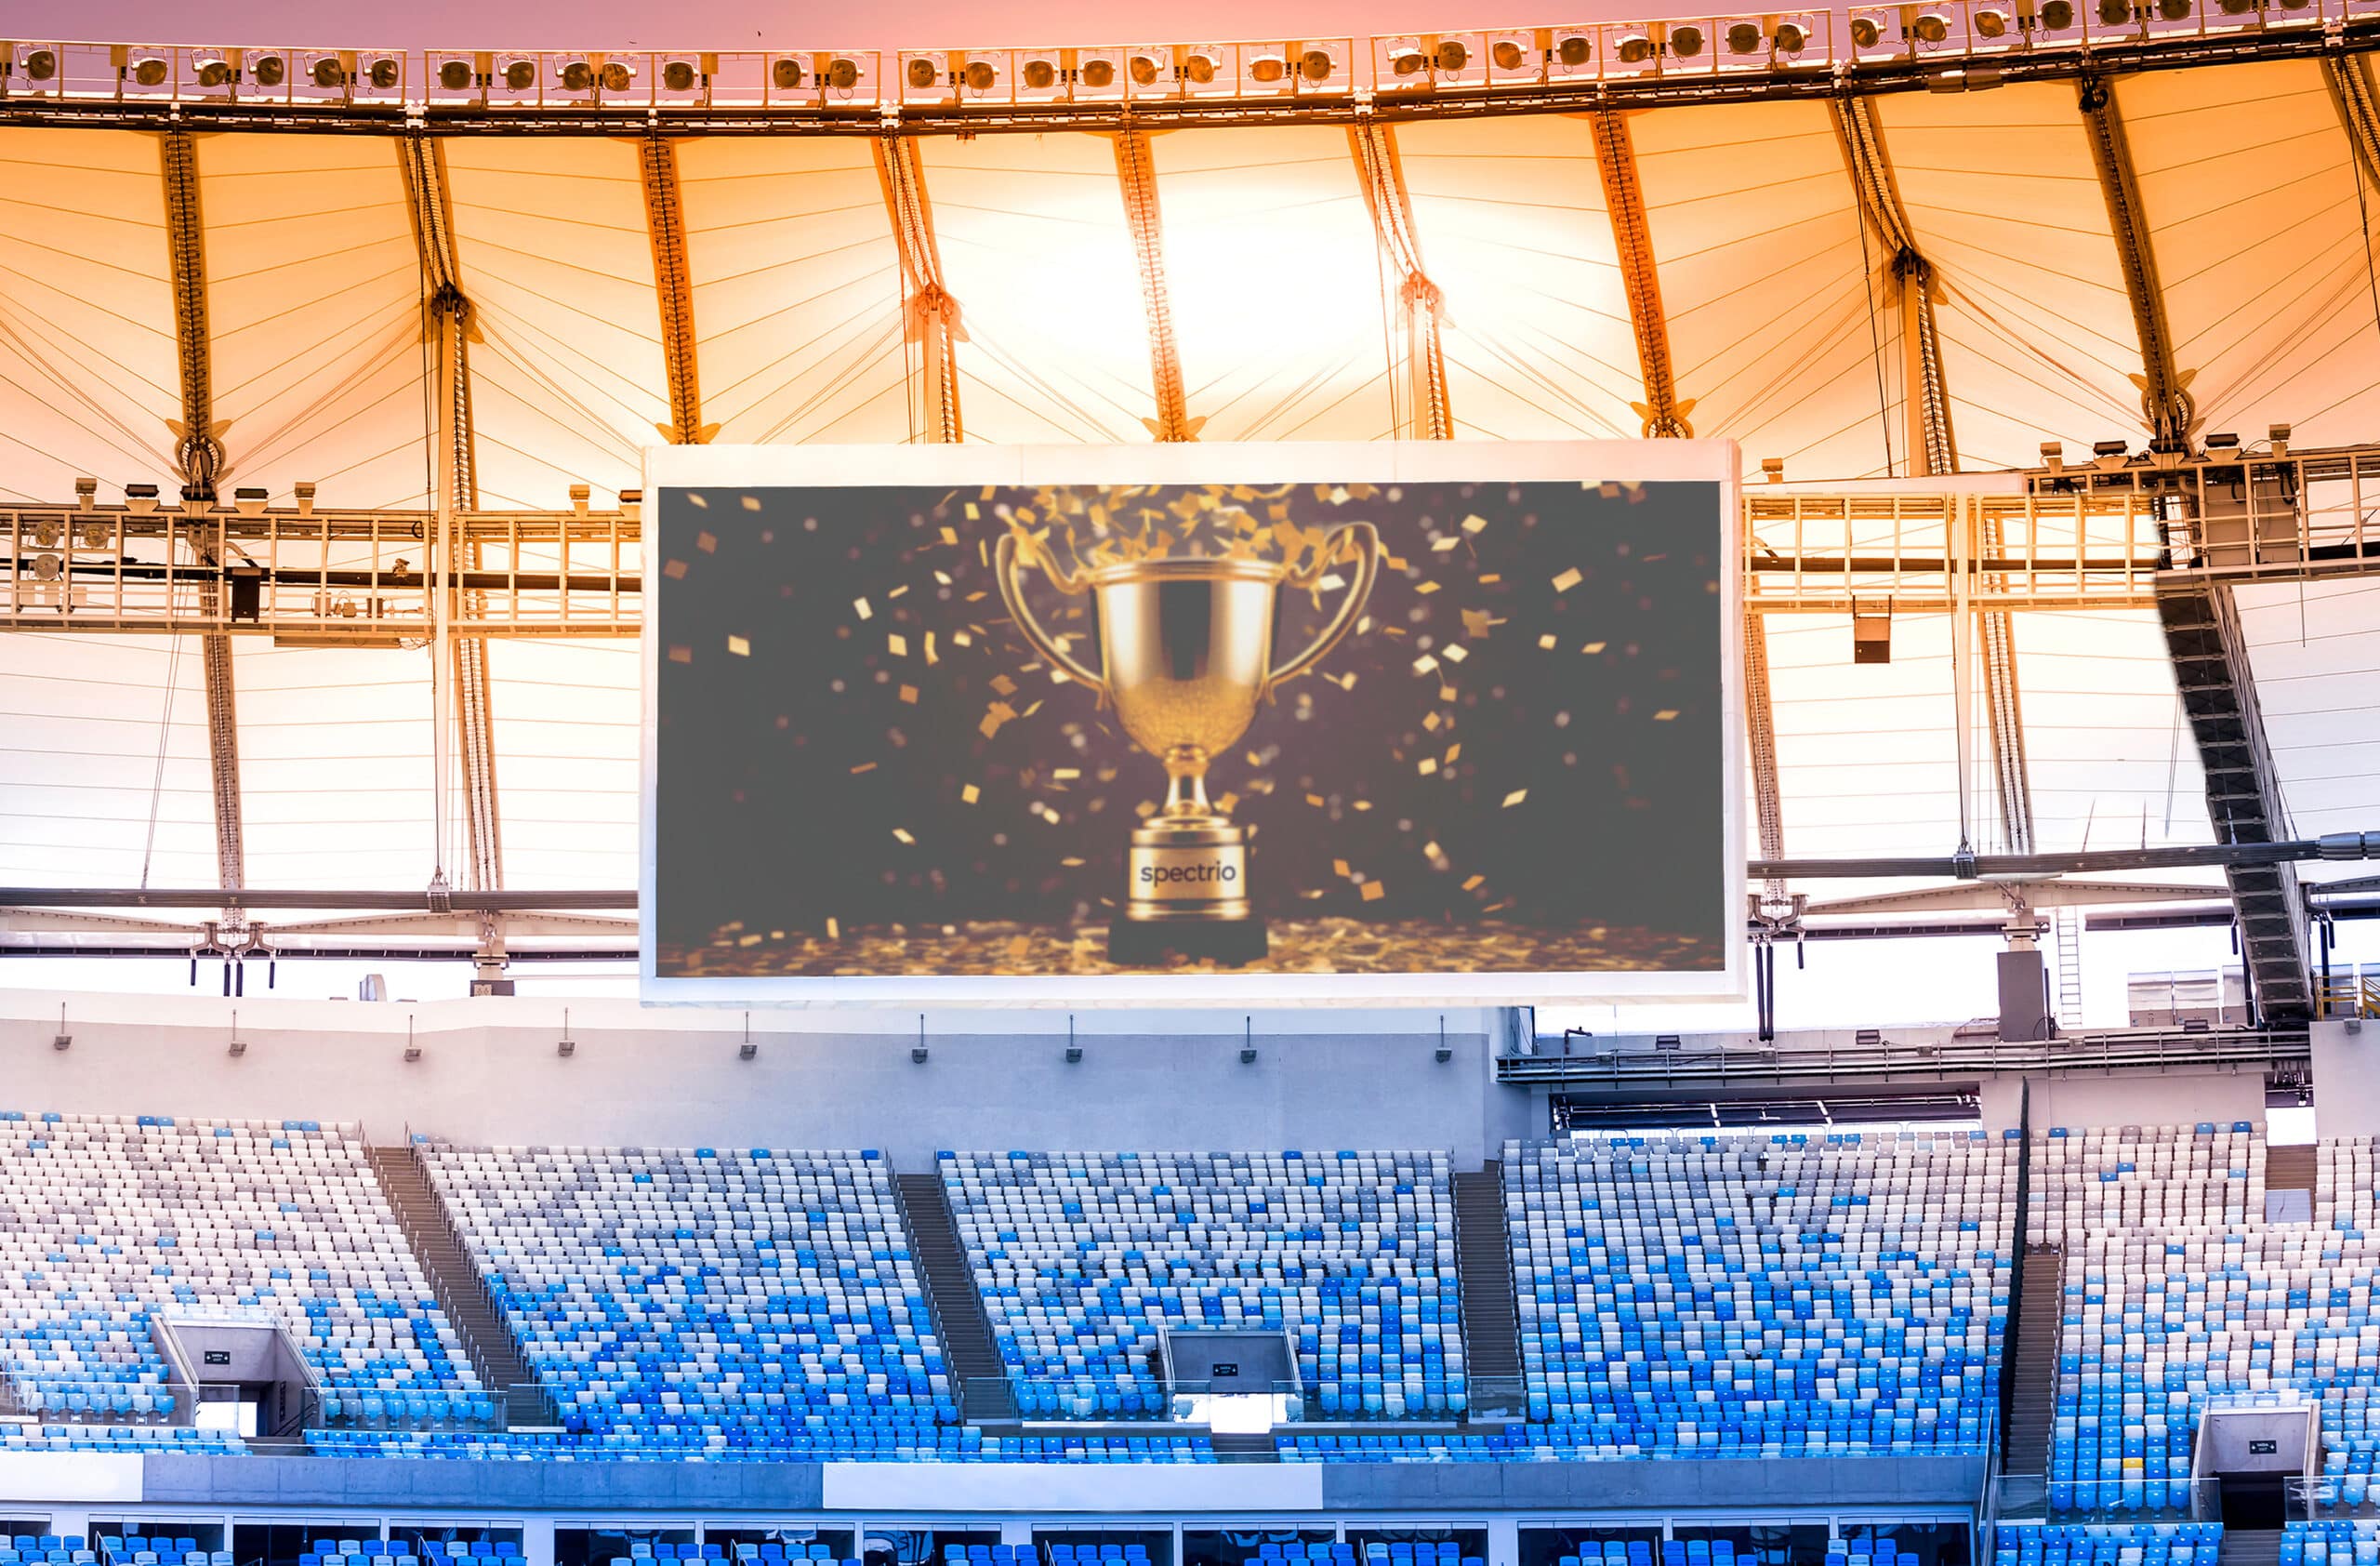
[706,467]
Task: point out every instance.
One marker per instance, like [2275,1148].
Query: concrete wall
[489,1072]
[2346,1095]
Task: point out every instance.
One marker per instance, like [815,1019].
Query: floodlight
[577,76]
[214,71]
[842,73]
[1989,24]
[1685,42]
[1267,67]
[980,76]
[329,73]
[566,1047]
[250,501]
[2236,7]
[1315,65]
[384,73]
[916,1054]
[41,65]
[922,73]
[1199,66]
[2174,10]
[140,500]
[1636,49]
[2114,13]
[747,1052]
[1099,74]
[519,75]
[1744,37]
[1865,33]
[1406,59]
[1039,75]
[269,70]
[1931,27]
[1452,54]
[1507,55]
[150,71]
[679,75]
[1574,49]
[455,75]
[1145,70]
[1792,37]
[617,75]
[1248,1057]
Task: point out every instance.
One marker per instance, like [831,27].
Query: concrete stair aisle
[1245,1448]
[1492,1346]
[455,1280]
[985,1393]
[2250,1547]
[2032,1402]
[2288,1183]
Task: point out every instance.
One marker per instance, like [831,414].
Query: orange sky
[727,23]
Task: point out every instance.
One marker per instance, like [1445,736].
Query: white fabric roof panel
[567,385]
[2315,653]
[1515,232]
[567,738]
[314,290]
[90,381]
[1039,254]
[796,290]
[2109,756]
[1781,332]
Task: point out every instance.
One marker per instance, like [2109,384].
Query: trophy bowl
[1186,658]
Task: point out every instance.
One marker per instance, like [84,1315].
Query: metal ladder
[2066,929]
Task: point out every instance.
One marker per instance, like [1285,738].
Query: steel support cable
[929,313]
[1422,302]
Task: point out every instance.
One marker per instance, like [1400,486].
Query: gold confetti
[1477,623]
[860,606]
[1339,868]
[932,658]
[1427,765]
[1226,802]
[903,834]
[969,794]
[675,570]
[1425,590]
[864,766]
[1456,654]
[753,940]
[1425,663]
[1071,863]
[1363,804]
[751,502]
[710,545]
[1474,524]
[1440,546]
[1491,578]
[1515,797]
[739,647]
[1432,722]
[999,712]
[1374,891]
[1592,649]
[1003,685]
[1315,799]
[909,694]
[1665,714]
[950,536]
[1473,883]
[700,502]
[1454,752]
[834,930]
[1065,773]
[898,591]
[1569,579]
[1546,642]
[898,645]
[681,654]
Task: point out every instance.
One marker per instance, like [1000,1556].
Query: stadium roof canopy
[2168,237]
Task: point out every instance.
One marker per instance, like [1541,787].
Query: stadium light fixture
[1407,59]
[1074,1054]
[519,75]
[1145,69]
[1247,1054]
[1636,49]
[140,500]
[384,73]
[1744,37]
[1199,66]
[213,71]
[617,75]
[1931,27]
[1685,41]
[1773,468]
[1866,33]
[86,493]
[249,500]
[1442,1055]
[2115,13]
[1098,74]
[1268,66]
[981,76]
[1573,50]
[2236,7]
[748,1052]
[1507,55]
[1452,54]
[41,65]
[150,71]
[1989,24]
[269,70]
[843,74]
[576,76]
[921,73]
[455,76]
[1792,37]
[1039,74]
[329,73]
[679,75]
[2057,15]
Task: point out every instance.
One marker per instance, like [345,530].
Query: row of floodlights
[1312,68]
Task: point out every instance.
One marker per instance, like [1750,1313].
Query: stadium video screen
[1185,724]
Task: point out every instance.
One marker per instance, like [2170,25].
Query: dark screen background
[798,742]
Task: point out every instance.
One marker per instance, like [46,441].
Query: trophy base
[1134,943]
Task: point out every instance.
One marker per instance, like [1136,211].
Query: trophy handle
[1367,540]
[1008,568]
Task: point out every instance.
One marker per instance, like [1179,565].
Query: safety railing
[2021,1498]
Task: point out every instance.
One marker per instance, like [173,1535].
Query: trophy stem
[1186,792]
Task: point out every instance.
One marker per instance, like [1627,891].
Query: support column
[1663,412]
[930,314]
[1931,447]
[1421,308]
[461,655]
[198,458]
[1136,173]
[673,288]
[2165,404]
[1767,795]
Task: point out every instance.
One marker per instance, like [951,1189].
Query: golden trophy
[1186,650]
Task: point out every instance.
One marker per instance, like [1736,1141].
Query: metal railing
[2039,1498]
[1643,1061]
[1104,1400]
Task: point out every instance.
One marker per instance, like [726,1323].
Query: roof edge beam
[1421,308]
[1623,196]
[2165,404]
[1136,174]
[673,289]
[930,315]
